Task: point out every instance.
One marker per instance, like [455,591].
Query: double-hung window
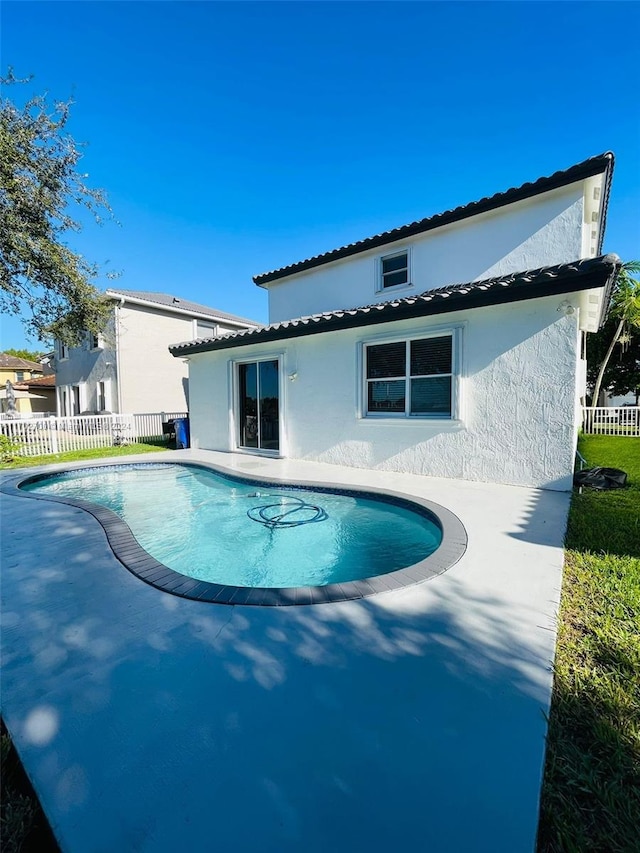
[394,270]
[412,378]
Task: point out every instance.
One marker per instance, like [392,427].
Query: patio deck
[411,720]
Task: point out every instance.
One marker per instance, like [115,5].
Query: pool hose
[291,516]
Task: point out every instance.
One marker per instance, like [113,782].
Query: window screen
[411,378]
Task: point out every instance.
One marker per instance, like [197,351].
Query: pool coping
[140,563]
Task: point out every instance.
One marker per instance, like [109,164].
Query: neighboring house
[17,370]
[465,361]
[44,390]
[128,369]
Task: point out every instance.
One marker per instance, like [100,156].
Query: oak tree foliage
[42,195]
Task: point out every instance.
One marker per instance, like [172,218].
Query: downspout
[117,325]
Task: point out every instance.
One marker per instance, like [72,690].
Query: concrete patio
[411,720]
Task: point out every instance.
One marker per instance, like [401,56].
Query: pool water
[215,528]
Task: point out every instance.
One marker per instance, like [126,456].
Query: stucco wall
[86,367]
[151,380]
[547,229]
[517,400]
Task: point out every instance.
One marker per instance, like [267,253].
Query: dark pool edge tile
[141,564]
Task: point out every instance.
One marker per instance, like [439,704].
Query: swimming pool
[201,533]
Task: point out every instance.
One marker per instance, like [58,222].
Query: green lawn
[591,791]
[81,455]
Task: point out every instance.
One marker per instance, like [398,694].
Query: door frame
[235,404]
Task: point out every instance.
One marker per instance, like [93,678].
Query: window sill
[395,288]
[401,420]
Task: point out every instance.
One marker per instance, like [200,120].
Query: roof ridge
[563,177]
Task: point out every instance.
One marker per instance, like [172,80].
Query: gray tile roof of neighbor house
[513,287]
[166,300]
[586,169]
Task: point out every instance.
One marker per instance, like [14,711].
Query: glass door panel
[269,405]
[259,405]
[248,376]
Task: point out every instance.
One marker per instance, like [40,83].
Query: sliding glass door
[259,405]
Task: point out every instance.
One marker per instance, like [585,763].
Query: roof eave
[601,273]
[602,163]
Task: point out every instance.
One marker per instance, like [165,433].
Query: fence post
[53,434]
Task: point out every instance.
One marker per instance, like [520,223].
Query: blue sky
[234,138]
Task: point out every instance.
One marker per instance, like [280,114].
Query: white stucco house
[128,369]
[451,347]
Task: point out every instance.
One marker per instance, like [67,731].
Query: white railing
[45,436]
[612,420]
[148,425]
[24,415]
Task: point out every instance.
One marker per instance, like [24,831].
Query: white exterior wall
[518,402]
[547,229]
[151,379]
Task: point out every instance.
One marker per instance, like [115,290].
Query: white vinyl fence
[610,420]
[44,436]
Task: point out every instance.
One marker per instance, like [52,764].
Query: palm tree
[625,306]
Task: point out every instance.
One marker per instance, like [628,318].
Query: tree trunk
[605,361]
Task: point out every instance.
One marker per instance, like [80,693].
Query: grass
[82,455]
[23,826]
[591,790]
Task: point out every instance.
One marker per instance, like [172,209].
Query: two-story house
[18,369]
[128,368]
[452,346]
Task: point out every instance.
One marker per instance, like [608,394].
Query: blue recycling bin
[181,426]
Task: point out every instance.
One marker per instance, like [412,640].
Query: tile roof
[48,381]
[12,362]
[166,300]
[513,287]
[586,169]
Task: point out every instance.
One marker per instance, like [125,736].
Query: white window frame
[99,342]
[455,333]
[215,329]
[64,351]
[380,288]
[234,424]
[106,383]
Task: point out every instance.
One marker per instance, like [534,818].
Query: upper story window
[63,349]
[95,341]
[394,270]
[205,330]
[411,378]
[19,375]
